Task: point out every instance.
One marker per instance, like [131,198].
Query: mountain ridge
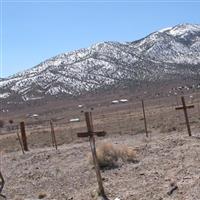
[162,54]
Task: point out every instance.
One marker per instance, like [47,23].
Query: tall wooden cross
[184,108]
[90,133]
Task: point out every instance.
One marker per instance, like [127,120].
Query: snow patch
[165,29]
[4,95]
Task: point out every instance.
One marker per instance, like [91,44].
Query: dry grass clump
[127,153]
[108,155]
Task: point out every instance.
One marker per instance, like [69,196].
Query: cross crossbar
[187,107]
[97,133]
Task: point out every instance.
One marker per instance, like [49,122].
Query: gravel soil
[167,168]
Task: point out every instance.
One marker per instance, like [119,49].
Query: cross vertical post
[145,121]
[184,108]
[23,134]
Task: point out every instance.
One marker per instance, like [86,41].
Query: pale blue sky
[32,31]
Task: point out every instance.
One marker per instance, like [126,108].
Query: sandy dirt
[164,161]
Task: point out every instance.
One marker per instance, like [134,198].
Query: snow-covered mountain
[171,52]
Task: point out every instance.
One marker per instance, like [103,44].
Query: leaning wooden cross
[184,108]
[90,133]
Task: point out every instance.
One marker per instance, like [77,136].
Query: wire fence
[120,118]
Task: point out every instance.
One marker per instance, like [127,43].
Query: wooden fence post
[53,136]
[145,122]
[23,134]
[20,142]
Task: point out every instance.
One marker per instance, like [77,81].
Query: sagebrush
[108,155]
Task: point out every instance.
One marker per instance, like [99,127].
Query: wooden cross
[90,133]
[184,108]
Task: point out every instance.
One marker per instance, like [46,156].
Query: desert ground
[165,165]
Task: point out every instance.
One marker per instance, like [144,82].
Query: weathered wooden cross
[184,108]
[90,133]
[53,136]
[23,134]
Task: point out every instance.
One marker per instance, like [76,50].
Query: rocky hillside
[165,54]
